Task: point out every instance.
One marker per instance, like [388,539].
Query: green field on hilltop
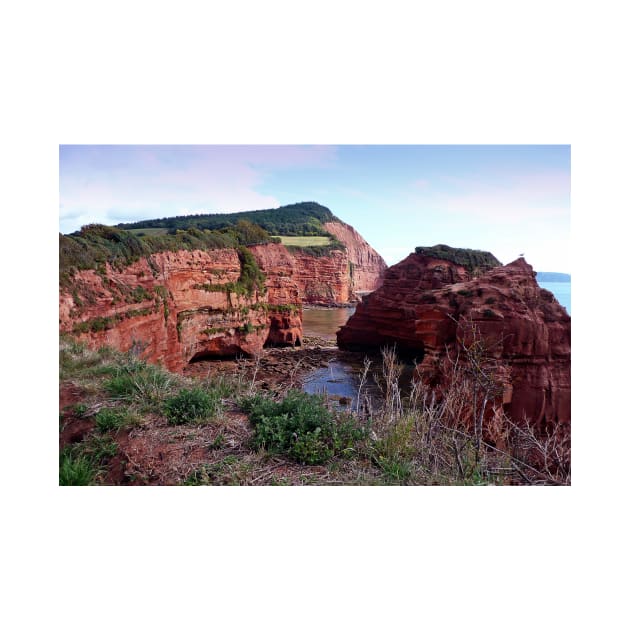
[149,231]
[305,241]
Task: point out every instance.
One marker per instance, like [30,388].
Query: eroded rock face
[174,307]
[177,306]
[427,306]
[336,278]
[366,267]
[283,294]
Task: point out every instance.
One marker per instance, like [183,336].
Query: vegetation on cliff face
[94,245]
[474,260]
[298,219]
[252,279]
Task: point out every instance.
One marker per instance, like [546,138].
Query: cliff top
[471,259]
[94,245]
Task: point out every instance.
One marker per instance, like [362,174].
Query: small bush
[301,427]
[191,405]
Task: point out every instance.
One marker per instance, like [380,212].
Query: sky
[506,199]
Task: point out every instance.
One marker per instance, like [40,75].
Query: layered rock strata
[338,277]
[428,307]
[366,267]
[174,307]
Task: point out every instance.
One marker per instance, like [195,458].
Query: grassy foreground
[125,422]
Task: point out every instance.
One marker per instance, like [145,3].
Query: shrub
[301,427]
[472,259]
[191,405]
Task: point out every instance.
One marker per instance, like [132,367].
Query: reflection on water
[340,381]
[342,378]
[325,322]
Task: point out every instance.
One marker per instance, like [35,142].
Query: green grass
[148,231]
[142,383]
[305,241]
[229,471]
[76,470]
[112,419]
[192,406]
[81,464]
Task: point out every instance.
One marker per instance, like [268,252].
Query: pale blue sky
[508,199]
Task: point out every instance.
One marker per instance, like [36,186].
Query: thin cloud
[123,183]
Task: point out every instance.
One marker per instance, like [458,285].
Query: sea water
[561,291]
[325,322]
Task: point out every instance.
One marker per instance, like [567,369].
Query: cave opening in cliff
[226,355]
[284,344]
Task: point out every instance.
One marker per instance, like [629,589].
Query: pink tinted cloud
[132,182]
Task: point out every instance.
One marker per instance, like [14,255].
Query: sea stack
[431,301]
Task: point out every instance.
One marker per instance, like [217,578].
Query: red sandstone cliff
[426,305]
[173,306]
[336,278]
[366,267]
[185,305]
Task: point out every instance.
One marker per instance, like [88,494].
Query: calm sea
[325,322]
[562,291]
